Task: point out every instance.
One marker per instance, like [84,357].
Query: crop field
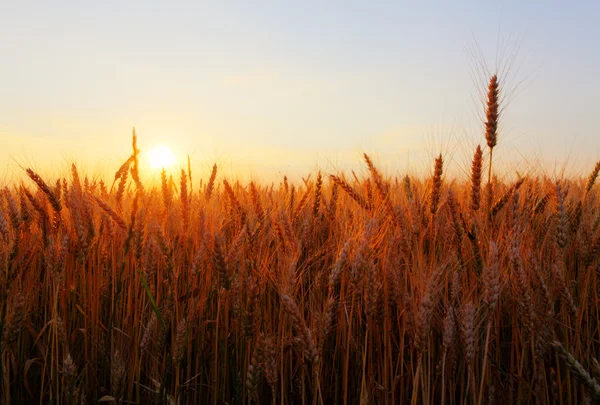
[340,289]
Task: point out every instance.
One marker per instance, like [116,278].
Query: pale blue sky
[270,88]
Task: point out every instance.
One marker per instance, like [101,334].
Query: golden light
[161,157]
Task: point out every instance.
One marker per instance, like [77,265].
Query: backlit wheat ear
[563,223]
[437,184]
[26,216]
[333,201]
[301,204]
[382,189]
[369,191]
[408,188]
[110,212]
[350,191]
[13,209]
[492,112]
[37,205]
[491,126]
[211,183]
[54,201]
[258,208]
[540,205]
[166,189]
[123,169]
[233,200]
[592,179]
[454,217]
[476,179]
[184,199]
[135,171]
[121,190]
[497,207]
[4,228]
[317,200]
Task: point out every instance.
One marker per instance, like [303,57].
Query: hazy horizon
[286,89]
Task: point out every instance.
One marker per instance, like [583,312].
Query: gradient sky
[270,88]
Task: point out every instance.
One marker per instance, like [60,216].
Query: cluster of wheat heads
[333,291]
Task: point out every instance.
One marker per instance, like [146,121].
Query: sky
[273,88]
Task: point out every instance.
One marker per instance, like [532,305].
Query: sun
[161,157]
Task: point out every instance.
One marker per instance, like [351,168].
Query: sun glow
[161,157]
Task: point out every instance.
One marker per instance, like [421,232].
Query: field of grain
[338,290]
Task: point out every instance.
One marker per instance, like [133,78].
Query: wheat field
[337,290]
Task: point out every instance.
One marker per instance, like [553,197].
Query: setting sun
[161,157]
